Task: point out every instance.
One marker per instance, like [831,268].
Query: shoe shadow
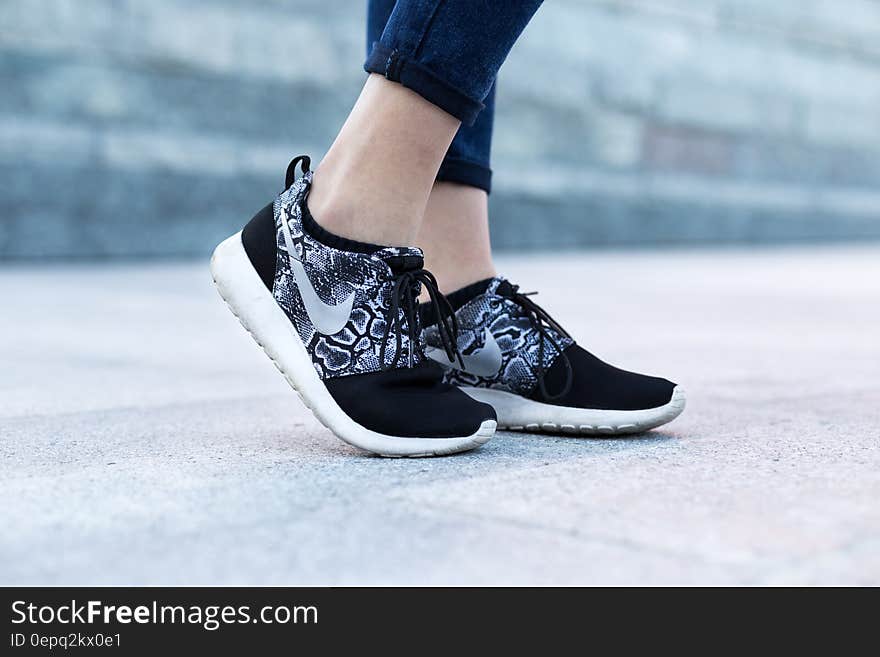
[560,443]
[652,435]
[515,446]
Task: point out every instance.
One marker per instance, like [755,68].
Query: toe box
[598,385]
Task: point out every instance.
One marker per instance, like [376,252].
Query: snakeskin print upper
[334,275]
[515,335]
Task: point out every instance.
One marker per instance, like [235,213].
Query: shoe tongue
[402,258]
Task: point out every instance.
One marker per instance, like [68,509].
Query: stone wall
[155,127]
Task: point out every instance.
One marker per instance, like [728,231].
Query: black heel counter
[259,240]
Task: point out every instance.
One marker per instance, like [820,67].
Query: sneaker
[515,357]
[339,318]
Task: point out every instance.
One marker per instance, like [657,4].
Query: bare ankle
[374,183]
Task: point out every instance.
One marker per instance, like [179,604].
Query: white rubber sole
[249,300]
[517,413]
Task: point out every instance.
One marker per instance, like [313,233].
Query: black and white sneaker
[515,357]
[339,318]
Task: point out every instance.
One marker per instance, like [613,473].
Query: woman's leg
[467,160]
[455,236]
[455,231]
[374,183]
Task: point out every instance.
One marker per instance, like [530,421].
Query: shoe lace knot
[404,304]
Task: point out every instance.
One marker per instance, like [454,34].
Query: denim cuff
[466,173]
[398,67]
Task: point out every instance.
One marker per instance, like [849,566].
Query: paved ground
[144,439]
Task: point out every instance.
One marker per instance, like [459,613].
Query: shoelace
[404,296]
[540,320]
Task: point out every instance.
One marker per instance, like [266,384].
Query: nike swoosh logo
[327,319]
[486,362]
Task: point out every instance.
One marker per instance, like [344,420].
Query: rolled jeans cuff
[413,75]
[466,173]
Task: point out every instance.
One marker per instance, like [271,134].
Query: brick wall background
[155,127]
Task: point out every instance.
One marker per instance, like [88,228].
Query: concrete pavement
[144,438]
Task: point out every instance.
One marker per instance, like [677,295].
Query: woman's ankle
[374,182]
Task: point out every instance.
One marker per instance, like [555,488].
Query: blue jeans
[449,52]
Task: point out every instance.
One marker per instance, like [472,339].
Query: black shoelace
[404,296]
[541,321]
